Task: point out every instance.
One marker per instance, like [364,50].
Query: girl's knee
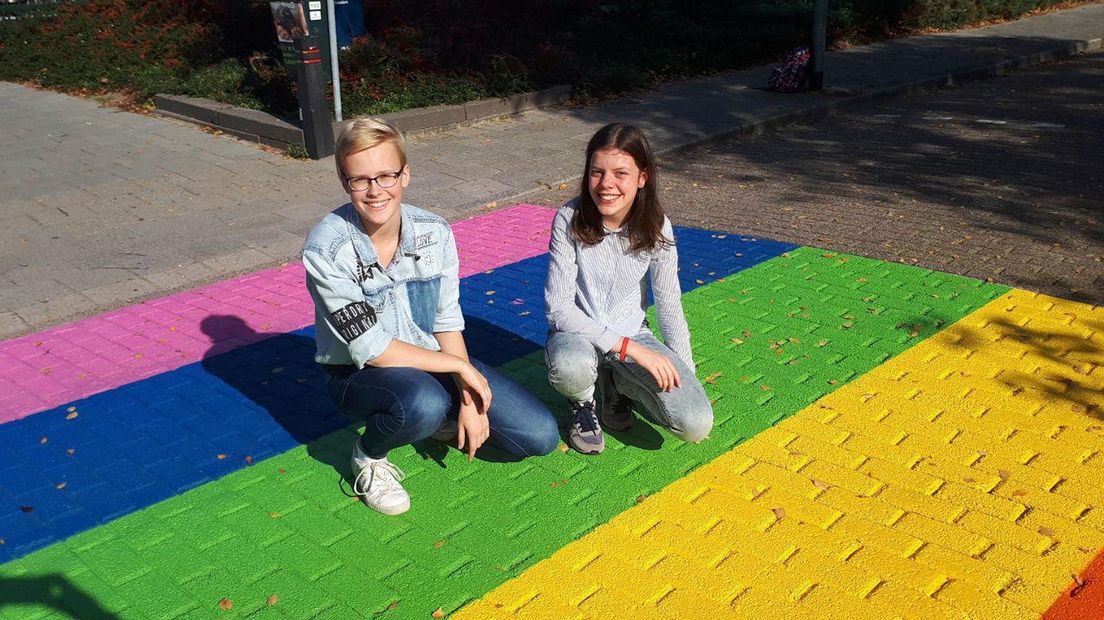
[573,373]
[425,404]
[696,427]
[545,437]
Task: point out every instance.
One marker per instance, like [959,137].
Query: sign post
[317,129]
[299,39]
[820,38]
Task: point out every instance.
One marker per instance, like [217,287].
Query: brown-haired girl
[606,245]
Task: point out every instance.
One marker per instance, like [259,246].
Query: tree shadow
[984,181]
[53,591]
[1063,360]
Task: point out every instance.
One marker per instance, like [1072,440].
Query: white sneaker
[377,481]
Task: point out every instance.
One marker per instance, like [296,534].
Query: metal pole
[317,129]
[820,37]
[335,75]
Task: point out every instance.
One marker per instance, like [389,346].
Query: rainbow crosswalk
[890,442]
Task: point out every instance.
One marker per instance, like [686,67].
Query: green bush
[427,52]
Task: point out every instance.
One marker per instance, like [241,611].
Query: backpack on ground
[792,76]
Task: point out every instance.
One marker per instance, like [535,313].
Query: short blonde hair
[364,133]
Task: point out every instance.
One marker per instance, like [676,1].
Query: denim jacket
[360,305]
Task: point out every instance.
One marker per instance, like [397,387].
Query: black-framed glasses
[384,181]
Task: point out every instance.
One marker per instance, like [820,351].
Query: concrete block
[426,118]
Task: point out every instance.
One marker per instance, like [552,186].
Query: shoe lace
[584,417]
[382,476]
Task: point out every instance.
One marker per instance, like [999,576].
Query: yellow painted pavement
[962,478]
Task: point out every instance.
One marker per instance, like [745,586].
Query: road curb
[262,127]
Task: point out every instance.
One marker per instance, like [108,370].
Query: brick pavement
[998,179]
[105,207]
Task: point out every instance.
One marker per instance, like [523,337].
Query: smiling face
[613,181]
[376,205]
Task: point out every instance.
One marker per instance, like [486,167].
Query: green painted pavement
[770,340]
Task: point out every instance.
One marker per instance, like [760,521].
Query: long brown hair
[644,224]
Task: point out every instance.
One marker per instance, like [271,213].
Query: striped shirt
[600,291]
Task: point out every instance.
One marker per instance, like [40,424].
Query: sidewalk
[105,207]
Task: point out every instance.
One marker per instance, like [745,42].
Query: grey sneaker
[616,409]
[586,435]
[377,482]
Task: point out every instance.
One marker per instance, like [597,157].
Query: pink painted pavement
[49,368]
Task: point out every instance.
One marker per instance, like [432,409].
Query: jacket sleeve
[339,299]
[563,314]
[449,318]
[663,273]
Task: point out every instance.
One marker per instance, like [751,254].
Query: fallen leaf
[737,341]
[277,371]
[70,452]
[712,379]
[765,387]
[274,515]
[700,281]
[794,340]
[281,471]
[641,498]
[822,343]
[272,600]
[220,456]
[488,292]
[440,613]
[438,544]
[393,605]
[71,409]
[248,460]
[563,185]
[779,513]
[1047,531]
[26,508]
[1004,474]
[969,480]
[832,382]
[72,416]
[1019,493]
[61,485]
[225,604]
[823,486]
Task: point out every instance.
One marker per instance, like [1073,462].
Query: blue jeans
[574,367]
[402,405]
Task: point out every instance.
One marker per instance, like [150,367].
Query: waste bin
[349,21]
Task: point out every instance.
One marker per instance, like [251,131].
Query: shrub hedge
[425,52]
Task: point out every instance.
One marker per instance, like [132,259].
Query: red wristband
[624,347]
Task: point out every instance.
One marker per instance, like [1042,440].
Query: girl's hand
[661,368]
[471,381]
[473,429]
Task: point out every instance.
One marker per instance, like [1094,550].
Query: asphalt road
[997,179]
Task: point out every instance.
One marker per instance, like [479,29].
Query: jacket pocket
[423,296]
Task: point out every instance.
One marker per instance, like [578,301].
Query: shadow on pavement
[51,591]
[995,178]
[279,375]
